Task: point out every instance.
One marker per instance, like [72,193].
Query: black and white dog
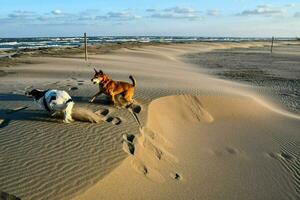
[54,101]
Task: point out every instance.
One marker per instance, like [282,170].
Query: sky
[210,18]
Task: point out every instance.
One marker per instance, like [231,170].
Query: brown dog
[113,88]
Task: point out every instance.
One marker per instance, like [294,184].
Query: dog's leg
[94,97]
[53,113]
[68,113]
[128,96]
[112,95]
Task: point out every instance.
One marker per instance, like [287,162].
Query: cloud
[87,15]
[43,18]
[264,10]
[118,16]
[164,15]
[21,14]
[176,13]
[125,15]
[213,12]
[290,5]
[56,17]
[180,10]
[151,10]
[297,14]
[86,18]
[92,16]
[56,12]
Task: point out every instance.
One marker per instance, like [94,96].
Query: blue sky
[27,18]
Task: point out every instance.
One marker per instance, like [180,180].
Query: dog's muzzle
[28,94]
[94,81]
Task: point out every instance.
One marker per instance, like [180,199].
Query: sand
[278,73]
[189,135]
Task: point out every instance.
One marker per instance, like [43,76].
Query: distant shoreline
[17,44]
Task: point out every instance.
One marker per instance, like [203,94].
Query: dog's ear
[101,72]
[95,71]
[31,93]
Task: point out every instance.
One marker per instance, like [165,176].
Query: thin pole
[85,47]
[272,44]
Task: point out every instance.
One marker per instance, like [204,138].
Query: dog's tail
[133,80]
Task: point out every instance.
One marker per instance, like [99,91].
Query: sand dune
[188,135]
[238,154]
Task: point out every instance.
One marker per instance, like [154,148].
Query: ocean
[46,42]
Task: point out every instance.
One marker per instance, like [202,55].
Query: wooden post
[272,44]
[85,47]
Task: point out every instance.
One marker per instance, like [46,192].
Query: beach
[211,120]
[277,72]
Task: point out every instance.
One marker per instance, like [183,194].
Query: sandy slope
[240,153]
[203,138]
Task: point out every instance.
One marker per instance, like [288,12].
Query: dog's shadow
[100,100]
[24,115]
[106,101]
[14,97]
[8,115]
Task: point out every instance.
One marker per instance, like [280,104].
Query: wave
[8,43]
[22,43]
